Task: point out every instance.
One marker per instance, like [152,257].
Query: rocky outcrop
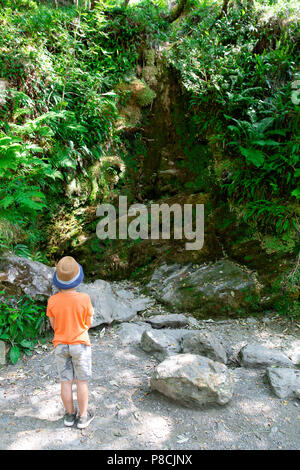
[216,288]
[112,304]
[193,380]
[140,95]
[20,275]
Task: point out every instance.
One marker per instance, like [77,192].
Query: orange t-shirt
[70,311]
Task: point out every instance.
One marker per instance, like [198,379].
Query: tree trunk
[176,11]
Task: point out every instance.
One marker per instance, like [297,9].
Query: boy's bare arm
[90,318]
[89,321]
[51,319]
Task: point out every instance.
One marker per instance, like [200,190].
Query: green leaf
[296,192]
[4,336]
[7,201]
[28,352]
[45,131]
[256,157]
[14,354]
[266,142]
[25,343]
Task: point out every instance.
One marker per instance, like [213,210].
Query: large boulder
[285,382]
[20,275]
[257,355]
[204,344]
[219,288]
[193,380]
[112,304]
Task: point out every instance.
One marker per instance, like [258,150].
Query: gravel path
[131,416]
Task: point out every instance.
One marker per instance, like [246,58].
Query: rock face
[215,288]
[256,355]
[18,274]
[285,382]
[193,380]
[175,320]
[204,344]
[111,304]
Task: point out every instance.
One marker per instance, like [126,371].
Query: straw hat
[68,273]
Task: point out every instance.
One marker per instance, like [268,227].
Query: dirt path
[130,416]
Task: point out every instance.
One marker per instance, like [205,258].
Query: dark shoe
[84,421]
[69,418]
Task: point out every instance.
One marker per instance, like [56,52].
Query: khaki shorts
[74,361]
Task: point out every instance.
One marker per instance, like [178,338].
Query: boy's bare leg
[82,396]
[67,396]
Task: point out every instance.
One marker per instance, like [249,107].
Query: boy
[70,314]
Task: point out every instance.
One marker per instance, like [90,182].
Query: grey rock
[204,344]
[2,353]
[256,355]
[4,85]
[139,303]
[111,302]
[131,333]
[32,277]
[193,322]
[297,393]
[295,357]
[193,380]
[175,320]
[294,353]
[285,382]
[162,343]
[109,305]
[206,288]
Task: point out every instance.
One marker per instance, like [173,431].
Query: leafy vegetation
[62,68]
[21,322]
[239,75]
